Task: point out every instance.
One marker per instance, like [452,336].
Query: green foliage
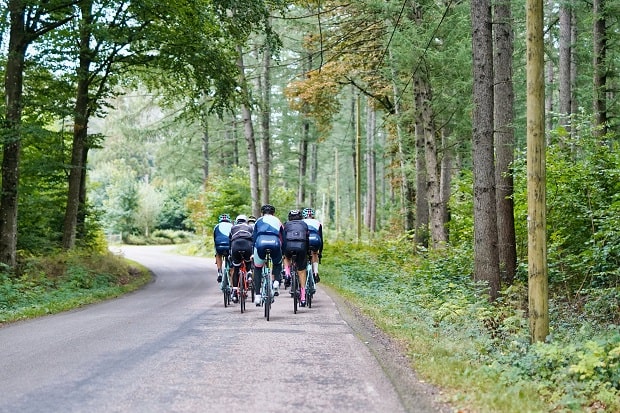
[227,195]
[54,283]
[583,201]
[431,303]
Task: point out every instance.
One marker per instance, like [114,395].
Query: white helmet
[240,219]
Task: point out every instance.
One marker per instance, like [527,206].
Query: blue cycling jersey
[221,234]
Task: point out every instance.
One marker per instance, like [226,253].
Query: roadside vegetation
[63,281]
[479,352]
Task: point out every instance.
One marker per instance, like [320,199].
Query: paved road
[173,347]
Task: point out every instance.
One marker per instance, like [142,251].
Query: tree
[486,258]
[599,40]
[28,22]
[536,177]
[504,139]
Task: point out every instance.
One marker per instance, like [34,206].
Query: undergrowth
[55,283]
[478,351]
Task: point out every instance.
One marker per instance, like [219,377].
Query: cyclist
[268,232]
[221,240]
[296,244]
[240,250]
[315,229]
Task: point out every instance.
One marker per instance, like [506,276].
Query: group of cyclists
[248,239]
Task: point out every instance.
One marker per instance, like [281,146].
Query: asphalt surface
[173,347]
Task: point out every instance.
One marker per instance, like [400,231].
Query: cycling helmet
[268,209]
[251,218]
[308,213]
[294,214]
[224,218]
[241,219]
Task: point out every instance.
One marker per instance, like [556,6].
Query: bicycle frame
[225,287]
[310,285]
[242,286]
[266,293]
[295,284]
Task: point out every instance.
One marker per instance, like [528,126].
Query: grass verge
[52,284]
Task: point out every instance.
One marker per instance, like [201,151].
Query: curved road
[173,347]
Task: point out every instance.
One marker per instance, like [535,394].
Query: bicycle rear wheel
[267,294]
[295,288]
[267,298]
[241,291]
[225,290]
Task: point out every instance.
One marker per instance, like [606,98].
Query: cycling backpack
[296,231]
[241,231]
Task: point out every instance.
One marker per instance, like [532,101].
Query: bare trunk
[486,258]
[371,174]
[303,157]
[504,140]
[564,64]
[424,121]
[599,39]
[265,123]
[405,190]
[11,144]
[536,175]
[205,149]
[248,130]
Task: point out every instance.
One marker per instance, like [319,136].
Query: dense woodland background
[398,121]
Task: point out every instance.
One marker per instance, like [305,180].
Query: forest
[471,145]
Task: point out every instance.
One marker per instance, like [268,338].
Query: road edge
[415,395]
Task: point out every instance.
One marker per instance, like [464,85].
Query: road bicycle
[310,284]
[266,287]
[295,284]
[243,286]
[225,286]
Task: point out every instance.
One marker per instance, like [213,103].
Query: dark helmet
[241,219]
[294,214]
[268,209]
[224,218]
[308,213]
[251,218]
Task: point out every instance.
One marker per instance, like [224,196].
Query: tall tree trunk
[536,196]
[445,179]
[205,148]
[573,66]
[303,162]
[599,40]
[424,123]
[266,121]
[314,173]
[11,144]
[248,129]
[405,189]
[486,258]
[422,217]
[371,174]
[504,140]
[564,63]
[80,128]
[549,97]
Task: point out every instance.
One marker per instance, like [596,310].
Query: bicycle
[295,284]
[243,286]
[266,287]
[225,287]
[310,285]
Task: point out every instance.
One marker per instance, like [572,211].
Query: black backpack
[241,231]
[296,231]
